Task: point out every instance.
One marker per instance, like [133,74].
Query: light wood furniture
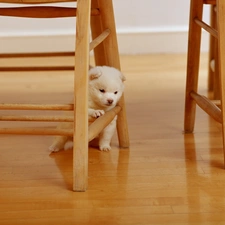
[213,74]
[95,15]
[212,49]
[166,178]
[192,96]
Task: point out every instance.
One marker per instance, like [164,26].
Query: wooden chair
[192,96]
[97,16]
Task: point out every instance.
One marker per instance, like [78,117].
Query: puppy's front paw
[105,147]
[53,148]
[68,145]
[97,113]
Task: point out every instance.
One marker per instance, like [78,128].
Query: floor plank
[165,177]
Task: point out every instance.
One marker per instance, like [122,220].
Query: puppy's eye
[102,90]
[115,92]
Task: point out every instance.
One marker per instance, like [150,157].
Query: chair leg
[108,54]
[221,48]
[97,29]
[80,154]
[194,41]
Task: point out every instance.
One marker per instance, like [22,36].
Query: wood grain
[165,177]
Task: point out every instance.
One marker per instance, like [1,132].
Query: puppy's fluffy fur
[105,89]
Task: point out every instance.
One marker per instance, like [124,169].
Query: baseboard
[130,42]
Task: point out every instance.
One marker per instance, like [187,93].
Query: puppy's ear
[123,78]
[94,73]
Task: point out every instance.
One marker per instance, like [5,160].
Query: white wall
[144,26]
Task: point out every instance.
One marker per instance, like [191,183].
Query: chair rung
[206,27]
[37,54]
[36,131]
[66,107]
[36,68]
[43,12]
[98,40]
[37,118]
[208,106]
[94,129]
[98,125]
[93,44]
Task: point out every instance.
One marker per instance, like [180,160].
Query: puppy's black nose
[110,101]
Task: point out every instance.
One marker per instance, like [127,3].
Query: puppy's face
[105,86]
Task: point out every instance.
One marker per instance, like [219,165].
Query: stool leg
[212,47]
[216,86]
[213,76]
[80,154]
[107,54]
[194,41]
[221,49]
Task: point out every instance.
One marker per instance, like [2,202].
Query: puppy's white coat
[105,89]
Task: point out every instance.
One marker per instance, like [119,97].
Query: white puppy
[105,89]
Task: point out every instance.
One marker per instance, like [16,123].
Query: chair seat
[34,1]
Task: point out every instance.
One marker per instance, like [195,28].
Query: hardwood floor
[166,177]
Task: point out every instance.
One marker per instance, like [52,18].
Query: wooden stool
[192,95]
[213,74]
[95,15]
[212,50]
